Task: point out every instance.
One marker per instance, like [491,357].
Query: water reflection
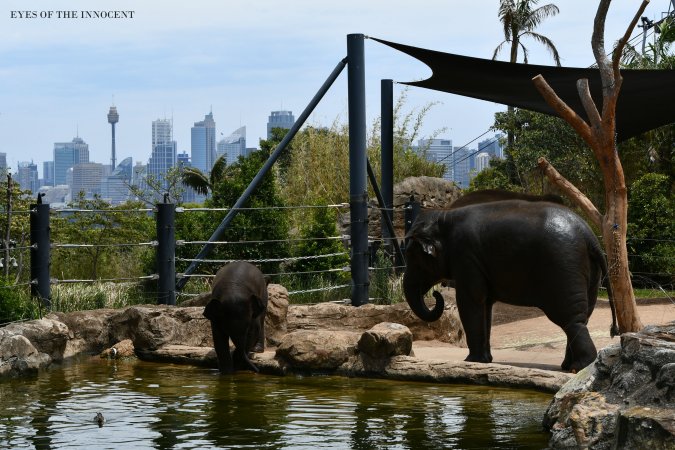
[165,406]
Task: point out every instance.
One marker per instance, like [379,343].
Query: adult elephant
[237,311]
[529,253]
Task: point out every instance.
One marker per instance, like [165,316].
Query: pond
[150,405]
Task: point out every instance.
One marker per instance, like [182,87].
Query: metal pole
[388,225]
[39,253]
[263,171]
[387,158]
[166,251]
[358,194]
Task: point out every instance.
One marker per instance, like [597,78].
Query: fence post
[387,158]
[358,194]
[39,253]
[166,254]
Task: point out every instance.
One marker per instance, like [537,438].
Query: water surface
[150,405]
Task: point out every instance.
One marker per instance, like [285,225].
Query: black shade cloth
[646,100]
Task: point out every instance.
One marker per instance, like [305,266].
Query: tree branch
[616,55]
[589,105]
[571,191]
[563,110]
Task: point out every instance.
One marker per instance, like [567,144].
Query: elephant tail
[600,258]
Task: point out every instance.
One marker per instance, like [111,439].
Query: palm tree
[201,182]
[520,18]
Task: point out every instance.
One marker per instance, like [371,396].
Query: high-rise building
[66,155]
[482,162]
[115,187]
[162,131]
[492,146]
[462,163]
[279,119]
[113,118]
[438,151]
[163,158]
[233,146]
[27,176]
[48,173]
[203,144]
[3,164]
[87,179]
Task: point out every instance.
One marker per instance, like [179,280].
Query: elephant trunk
[414,295]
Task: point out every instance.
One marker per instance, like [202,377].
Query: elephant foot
[479,358]
[259,348]
[243,362]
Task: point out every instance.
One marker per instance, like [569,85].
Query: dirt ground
[525,337]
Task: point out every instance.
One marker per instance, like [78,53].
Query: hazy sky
[243,59]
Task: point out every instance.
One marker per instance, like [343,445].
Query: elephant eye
[429,249]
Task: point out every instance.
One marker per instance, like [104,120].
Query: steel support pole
[387,158]
[39,253]
[358,194]
[263,171]
[166,251]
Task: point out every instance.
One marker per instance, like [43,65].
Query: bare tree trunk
[600,135]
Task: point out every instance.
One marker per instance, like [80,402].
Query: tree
[104,230]
[201,182]
[600,135]
[519,19]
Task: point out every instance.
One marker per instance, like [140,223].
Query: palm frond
[499,49]
[535,17]
[218,169]
[195,179]
[546,42]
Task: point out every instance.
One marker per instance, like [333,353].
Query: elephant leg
[488,327]
[221,342]
[580,350]
[256,335]
[241,351]
[472,313]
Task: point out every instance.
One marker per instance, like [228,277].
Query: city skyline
[179,62]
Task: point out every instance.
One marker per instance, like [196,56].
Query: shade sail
[646,100]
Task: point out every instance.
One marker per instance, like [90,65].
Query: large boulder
[317,350]
[385,340]
[333,316]
[276,323]
[89,331]
[625,399]
[152,326]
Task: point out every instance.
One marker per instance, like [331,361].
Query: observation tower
[113,118]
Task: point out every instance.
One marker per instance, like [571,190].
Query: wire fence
[292,249]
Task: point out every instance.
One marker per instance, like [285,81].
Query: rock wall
[625,399]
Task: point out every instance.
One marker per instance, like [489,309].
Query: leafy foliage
[651,229]
[103,227]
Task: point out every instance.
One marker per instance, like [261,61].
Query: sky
[242,59]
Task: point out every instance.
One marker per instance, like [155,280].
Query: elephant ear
[427,236]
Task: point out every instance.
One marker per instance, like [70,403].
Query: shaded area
[644,102]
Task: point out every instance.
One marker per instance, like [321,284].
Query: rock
[385,340]
[153,326]
[123,349]
[46,335]
[317,350]
[18,355]
[332,316]
[276,322]
[199,300]
[89,330]
[623,400]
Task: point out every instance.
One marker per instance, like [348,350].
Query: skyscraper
[203,144]
[113,118]
[279,119]
[48,173]
[3,164]
[162,130]
[438,151]
[27,176]
[233,146]
[115,187]
[66,155]
[87,179]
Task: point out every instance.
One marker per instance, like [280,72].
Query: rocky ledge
[372,341]
[625,399]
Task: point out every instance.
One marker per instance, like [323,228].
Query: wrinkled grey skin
[515,251]
[237,311]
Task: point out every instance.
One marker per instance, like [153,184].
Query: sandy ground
[524,337]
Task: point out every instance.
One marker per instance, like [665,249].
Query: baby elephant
[237,311]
